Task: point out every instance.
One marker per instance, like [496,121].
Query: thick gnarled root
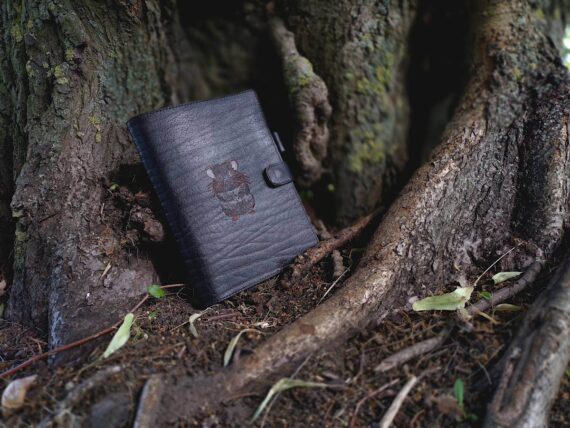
[309,98]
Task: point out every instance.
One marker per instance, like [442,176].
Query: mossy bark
[76,71]
[359,48]
[499,179]
[73,73]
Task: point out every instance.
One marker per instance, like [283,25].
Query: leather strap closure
[278,174]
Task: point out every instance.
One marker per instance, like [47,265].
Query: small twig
[389,416]
[493,264]
[368,397]
[326,247]
[417,349]
[335,282]
[79,342]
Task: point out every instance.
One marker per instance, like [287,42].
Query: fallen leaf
[106,270]
[121,336]
[231,346]
[507,307]
[2,287]
[283,385]
[504,276]
[193,318]
[15,394]
[445,302]
[487,316]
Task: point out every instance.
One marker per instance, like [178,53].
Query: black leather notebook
[226,193]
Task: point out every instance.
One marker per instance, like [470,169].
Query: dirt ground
[162,341]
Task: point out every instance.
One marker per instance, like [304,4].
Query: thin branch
[326,247]
[411,352]
[389,416]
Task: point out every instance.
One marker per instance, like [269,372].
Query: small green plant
[156,291]
[459,393]
[485,295]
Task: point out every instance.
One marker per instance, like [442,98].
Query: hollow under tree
[73,72]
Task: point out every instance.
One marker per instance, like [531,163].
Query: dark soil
[162,342]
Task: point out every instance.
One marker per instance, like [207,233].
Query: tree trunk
[75,72]
[499,178]
[87,239]
[361,54]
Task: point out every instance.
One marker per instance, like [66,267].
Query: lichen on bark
[361,55]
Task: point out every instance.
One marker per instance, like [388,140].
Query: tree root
[458,210]
[535,362]
[433,343]
[309,97]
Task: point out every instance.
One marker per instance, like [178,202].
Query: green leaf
[486,295]
[459,392]
[152,315]
[283,385]
[445,302]
[156,291]
[507,307]
[121,336]
[193,318]
[504,276]
[232,345]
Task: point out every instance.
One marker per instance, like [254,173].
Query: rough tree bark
[73,72]
[536,360]
[501,175]
[361,54]
[72,85]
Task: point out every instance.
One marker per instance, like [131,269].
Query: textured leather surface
[206,161]
[278,174]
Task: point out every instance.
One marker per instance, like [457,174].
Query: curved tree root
[309,97]
[500,172]
[536,359]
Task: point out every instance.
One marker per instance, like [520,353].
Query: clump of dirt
[162,341]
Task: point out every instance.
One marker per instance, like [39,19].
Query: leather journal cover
[226,193]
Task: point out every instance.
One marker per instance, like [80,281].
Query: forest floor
[162,341]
